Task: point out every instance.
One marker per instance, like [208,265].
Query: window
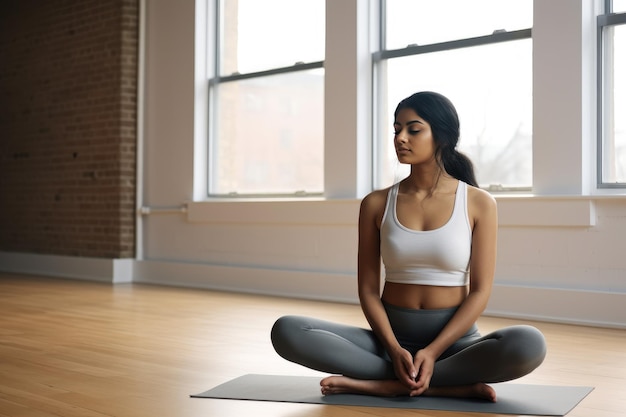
[266,127]
[612,95]
[619,6]
[483,65]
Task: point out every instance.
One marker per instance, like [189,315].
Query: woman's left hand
[424,363]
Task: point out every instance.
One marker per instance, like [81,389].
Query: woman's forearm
[467,314]
[376,316]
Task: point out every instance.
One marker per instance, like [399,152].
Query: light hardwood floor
[74,348]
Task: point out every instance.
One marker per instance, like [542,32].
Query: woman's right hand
[404,367]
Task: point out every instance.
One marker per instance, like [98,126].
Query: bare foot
[479,390]
[393,388]
[345,385]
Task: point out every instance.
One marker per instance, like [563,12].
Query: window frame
[381,55]
[213,83]
[604,20]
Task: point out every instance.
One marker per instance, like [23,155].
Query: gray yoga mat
[544,400]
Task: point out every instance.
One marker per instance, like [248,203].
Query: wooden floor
[72,348]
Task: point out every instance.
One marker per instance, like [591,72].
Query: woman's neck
[427,179]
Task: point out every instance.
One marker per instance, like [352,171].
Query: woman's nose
[401,137]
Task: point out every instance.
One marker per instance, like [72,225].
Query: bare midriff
[425,297]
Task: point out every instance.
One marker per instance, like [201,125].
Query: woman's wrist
[395,349]
[432,351]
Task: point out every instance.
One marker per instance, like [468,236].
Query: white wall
[561,250]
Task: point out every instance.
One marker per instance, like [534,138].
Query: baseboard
[558,305]
[90,269]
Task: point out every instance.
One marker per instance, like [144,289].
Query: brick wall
[68,126]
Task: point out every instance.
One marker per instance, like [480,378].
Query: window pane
[425,22]
[260,35]
[614,152]
[269,135]
[492,92]
[619,6]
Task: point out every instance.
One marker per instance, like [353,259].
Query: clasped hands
[414,372]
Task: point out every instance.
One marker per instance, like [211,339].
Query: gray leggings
[502,355]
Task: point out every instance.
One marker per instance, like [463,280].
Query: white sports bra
[433,257]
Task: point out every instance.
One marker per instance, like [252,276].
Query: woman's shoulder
[479,195]
[375,202]
[376,197]
[481,201]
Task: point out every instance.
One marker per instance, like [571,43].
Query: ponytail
[459,166]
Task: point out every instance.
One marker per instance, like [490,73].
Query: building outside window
[267,98]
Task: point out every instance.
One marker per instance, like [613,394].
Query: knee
[284,334]
[525,346]
[285,325]
[280,328]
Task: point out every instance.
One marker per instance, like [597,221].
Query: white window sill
[521,210]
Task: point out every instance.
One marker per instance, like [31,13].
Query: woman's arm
[483,211]
[371,212]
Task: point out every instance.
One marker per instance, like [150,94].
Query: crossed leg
[364,368]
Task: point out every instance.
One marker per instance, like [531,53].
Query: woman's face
[413,138]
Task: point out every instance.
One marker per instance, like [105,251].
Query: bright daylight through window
[267,99]
[266,107]
[483,64]
[612,144]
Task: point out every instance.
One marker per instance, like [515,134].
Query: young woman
[436,233]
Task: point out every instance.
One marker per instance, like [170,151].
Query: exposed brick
[68,94]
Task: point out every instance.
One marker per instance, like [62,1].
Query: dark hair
[443,119]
